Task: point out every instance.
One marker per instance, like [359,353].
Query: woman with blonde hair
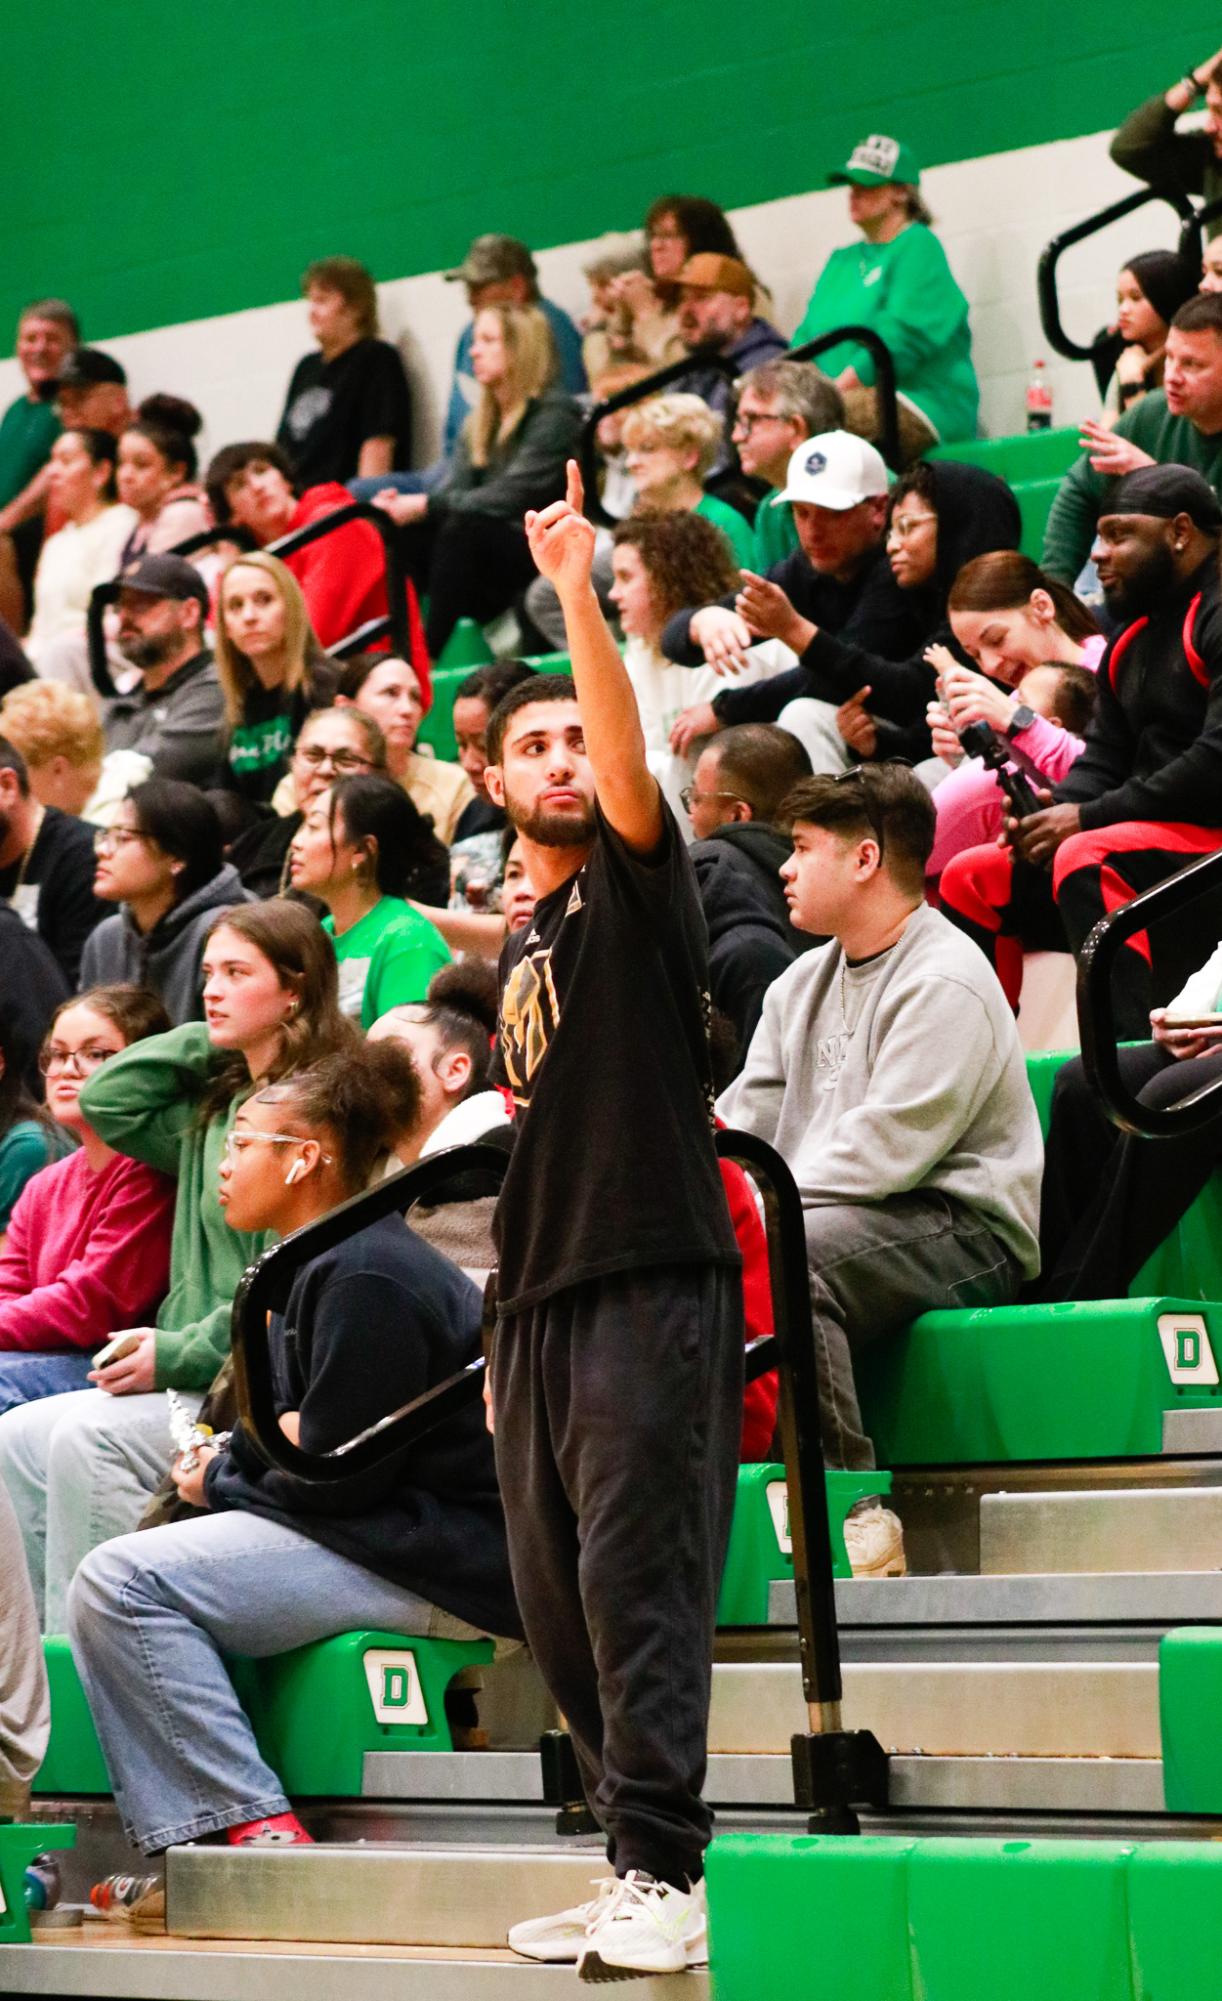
[671,443]
[271,667]
[464,542]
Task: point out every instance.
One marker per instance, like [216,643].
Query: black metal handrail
[1050,257]
[1190,232]
[833,1768]
[884,366]
[393,623]
[709,358]
[1096,1015]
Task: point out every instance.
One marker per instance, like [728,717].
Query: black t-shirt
[603,1040]
[333,406]
[259,747]
[54,896]
[31,988]
[369,1327]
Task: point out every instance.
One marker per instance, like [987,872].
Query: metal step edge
[186,1970]
[383,1894]
[960,1707]
[1151,1529]
[1054,1785]
[1052,1597]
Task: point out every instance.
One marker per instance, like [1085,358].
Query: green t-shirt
[738,533]
[25,1150]
[775,535]
[906,292]
[27,433]
[386,959]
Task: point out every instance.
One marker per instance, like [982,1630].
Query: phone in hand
[114,1351]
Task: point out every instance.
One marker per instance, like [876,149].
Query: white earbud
[295,1173]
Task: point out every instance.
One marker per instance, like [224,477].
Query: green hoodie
[143,1103]
[906,292]
[1149,424]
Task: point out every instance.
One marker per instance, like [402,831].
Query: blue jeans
[24,1378]
[151,1617]
[423,480]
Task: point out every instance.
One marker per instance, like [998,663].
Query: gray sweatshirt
[898,1074]
[168,959]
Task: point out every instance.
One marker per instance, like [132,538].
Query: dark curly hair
[688,560]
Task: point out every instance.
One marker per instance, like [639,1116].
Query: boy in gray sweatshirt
[887,1072]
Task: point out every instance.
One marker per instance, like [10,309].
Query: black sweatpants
[471,566]
[618,1409]
[1109,1198]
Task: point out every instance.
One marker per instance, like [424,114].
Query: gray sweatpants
[873,1268]
[25,1705]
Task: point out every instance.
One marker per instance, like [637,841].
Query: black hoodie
[977,513]
[751,940]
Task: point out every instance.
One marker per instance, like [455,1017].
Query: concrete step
[1149,1529]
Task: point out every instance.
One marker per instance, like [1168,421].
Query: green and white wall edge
[177,175]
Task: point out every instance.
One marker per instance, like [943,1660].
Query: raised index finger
[574,492]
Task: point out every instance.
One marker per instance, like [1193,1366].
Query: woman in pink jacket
[1037,648]
[88,1244]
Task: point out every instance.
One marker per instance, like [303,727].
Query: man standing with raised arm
[616,1371]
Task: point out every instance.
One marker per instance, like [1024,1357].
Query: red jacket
[343,578]
[759,1397]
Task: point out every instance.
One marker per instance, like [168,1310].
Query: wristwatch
[1022,719]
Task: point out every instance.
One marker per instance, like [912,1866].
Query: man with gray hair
[776,406]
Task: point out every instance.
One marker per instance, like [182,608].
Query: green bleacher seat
[19,1844]
[1035,498]
[74,1761]
[760,1551]
[890,1918]
[1023,456]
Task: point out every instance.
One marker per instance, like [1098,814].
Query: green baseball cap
[877,160]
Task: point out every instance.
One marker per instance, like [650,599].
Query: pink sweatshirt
[969,800]
[86,1254]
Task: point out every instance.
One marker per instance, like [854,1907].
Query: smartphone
[114,1351]
[1184,1021]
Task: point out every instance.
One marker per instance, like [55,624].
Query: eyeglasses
[116,837]
[691,795]
[317,754]
[236,1143]
[905,525]
[750,420]
[52,1057]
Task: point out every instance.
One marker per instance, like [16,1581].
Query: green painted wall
[168,162]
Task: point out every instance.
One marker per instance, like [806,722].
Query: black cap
[85,367]
[1165,491]
[164,577]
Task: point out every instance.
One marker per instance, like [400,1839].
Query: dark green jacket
[526,469]
[1184,163]
[1077,507]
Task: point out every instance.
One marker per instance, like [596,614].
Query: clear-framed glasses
[107,838]
[692,795]
[236,1143]
[318,754]
[52,1057]
[907,525]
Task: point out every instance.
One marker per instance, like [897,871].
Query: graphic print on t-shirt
[530,1016]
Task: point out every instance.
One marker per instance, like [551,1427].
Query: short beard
[553,830]
[1142,592]
[151,649]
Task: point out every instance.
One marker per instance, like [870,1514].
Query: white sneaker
[874,1543]
[558,1940]
[646,1927]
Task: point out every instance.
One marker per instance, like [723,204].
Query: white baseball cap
[836,470]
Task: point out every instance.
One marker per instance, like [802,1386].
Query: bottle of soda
[1039,400]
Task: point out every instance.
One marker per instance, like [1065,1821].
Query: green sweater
[1070,530]
[734,526]
[906,292]
[775,535]
[143,1103]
